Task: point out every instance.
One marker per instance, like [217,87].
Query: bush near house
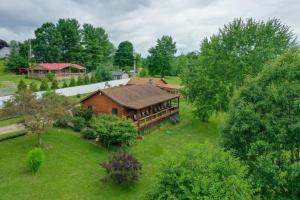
[78,123]
[112,130]
[35,159]
[89,134]
[123,168]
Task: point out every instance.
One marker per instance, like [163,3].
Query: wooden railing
[156,117]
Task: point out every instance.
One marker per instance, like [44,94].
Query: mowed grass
[173,80]
[71,169]
[10,121]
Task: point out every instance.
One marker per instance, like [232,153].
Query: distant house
[117,75]
[146,105]
[4,52]
[159,82]
[61,70]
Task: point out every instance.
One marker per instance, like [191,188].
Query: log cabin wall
[103,104]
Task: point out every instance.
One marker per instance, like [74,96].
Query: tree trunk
[39,139]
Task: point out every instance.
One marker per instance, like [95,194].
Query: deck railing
[145,121]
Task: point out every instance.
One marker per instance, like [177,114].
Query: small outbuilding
[146,105]
[118,75]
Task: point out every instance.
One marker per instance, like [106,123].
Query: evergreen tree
[22,85]
[65,85]
[97,47]
[124,55]
[44,86]
[72,82]
[33,87]
[15,59]
[161,56]
[54,84]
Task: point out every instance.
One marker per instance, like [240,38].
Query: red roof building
[61,70]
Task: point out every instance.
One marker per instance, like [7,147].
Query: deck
[153,119]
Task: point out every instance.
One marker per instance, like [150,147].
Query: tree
[112,130]
[35,159]
[33,87]
[240,49]
[124,55]
[54,84]
[70,33]
[15,59]
[263,126]
[161,56]
[39,113]
[50,76]
[47,44]
[22,85]
[72,82]
[102,74]
[123,168]
[203,172]
[3,44]
[65,84]
[44,86]
[97,47]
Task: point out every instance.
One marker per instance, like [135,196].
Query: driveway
[11,128]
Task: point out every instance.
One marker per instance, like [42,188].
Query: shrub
[63,122]
[143,73]
[93,79]
[65,85]
[112,130]
[33,87]
[50,76]
[78,123]
[44,86]
[35,159]
[22,85]
[203,172]
[72,82]
[80,81]
[123,168]
[86,79]
[83,112]
[89,134]
[54,84]
[174,119]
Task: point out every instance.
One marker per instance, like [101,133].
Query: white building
[118,75]
[4,52]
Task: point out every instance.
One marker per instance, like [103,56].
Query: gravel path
[11,128]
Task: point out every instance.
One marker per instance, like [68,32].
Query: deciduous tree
[263,127]
[240,49]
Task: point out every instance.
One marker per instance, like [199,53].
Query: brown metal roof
[136,96]
[144,81]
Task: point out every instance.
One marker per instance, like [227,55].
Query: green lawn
[71,169]
[173,80]
[10,121]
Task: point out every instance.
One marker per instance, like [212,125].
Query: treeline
[64,41]
[249,70]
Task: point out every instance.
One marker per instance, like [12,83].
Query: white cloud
[142,22]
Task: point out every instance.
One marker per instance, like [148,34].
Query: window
[90,107]
[114,111]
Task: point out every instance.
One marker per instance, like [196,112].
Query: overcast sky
[143,21]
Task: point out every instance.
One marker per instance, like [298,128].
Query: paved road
[11,128]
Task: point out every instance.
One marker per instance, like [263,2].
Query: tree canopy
[203,172]
[161,56]
[240,49]
[263,127]
[124,55]
[47,43]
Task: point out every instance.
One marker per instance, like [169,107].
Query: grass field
[71,169]
[173,80]
[10,121]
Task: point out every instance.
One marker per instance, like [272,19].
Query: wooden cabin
[146,105]
[62,71]
[159,82]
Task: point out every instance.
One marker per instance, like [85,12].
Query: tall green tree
[97,49]
[263,127]
[124,55]
[161,56]
[203,172]
[47,44]
[240,49]
[15,59]
[70,32]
